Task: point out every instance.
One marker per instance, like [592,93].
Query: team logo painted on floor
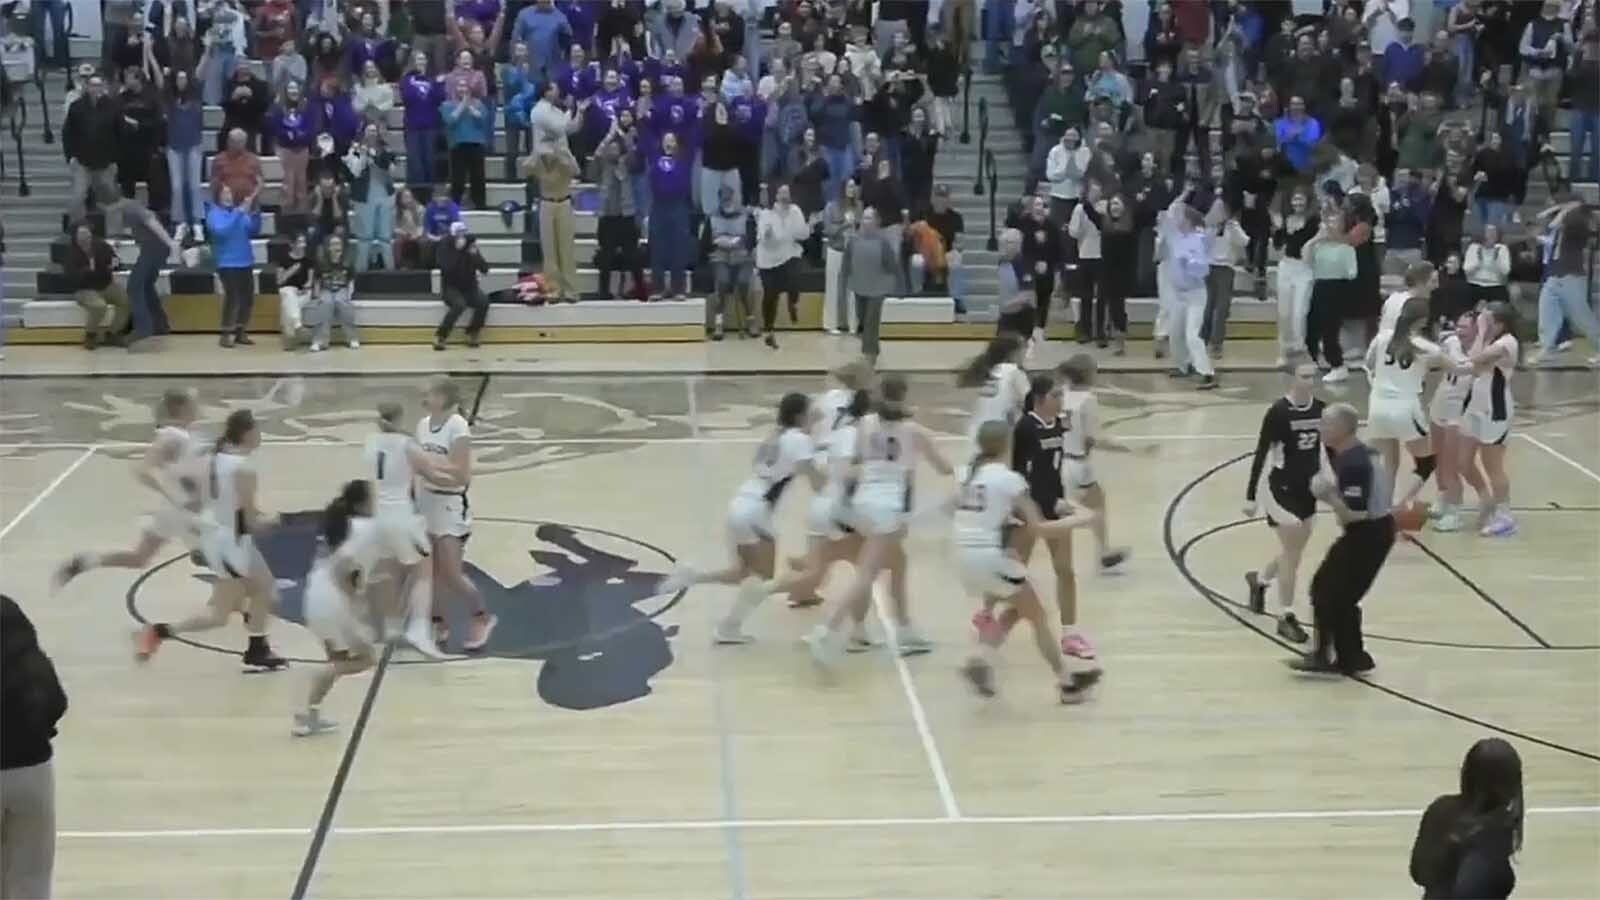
[586,606]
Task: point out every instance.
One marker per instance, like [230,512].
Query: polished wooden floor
[605,749]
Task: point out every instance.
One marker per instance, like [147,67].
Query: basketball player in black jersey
[1036,454]
[1289,431]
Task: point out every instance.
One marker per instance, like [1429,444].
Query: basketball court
[602,747]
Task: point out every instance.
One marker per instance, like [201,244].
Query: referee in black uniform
[1358,494]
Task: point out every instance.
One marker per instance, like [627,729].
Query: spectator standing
[467,125]
[1164,105]
[373,97]
[1290,233]
[1333,270]
[671,236]
[421,93]
[1197,107]
[1382,19]
[1417,133]
[90,268]
[731,263]
[673,30]
[244,107]
[333,303]
[613,171]
[1463,25]
[1085,281]
[1063,105]
[31,705]
[287,66]
[1092,33]
[1403,59]
[919,150]
[1487,265]
[185,125]
[372,189]
[1185,264]
[780,229]
[1585,117]
[1065,168]
[460,263]
[1496,181]
[1465,841]
[1446,218]
[155,245]
[724,152]
[89,137]
[231,225]
[871,270]
[294,290]
[236,168]
[1119,224]
[291,127]
[1564,294]
[1225,244]
[555,171]
[833,116]
[429,37]
[840,221]
[144,132]
[1298,135]
[1544,47]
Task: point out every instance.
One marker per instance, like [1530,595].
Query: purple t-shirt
[669,178]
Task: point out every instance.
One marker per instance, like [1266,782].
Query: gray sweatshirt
[872,266]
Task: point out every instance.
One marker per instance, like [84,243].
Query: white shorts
[329,614]
[1484,429]
[445,514]
[826,517]
[991,572]
[1446,409]
[1078,474]
[1398,420]
[880,512]
[226,555]
[171,523]
[404,534]
[750,521]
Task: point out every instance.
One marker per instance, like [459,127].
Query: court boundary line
[919,714]
[478,443]
[1594,476]
[49,489]
[1174,818]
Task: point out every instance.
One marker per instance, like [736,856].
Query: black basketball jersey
[1293,434]
[1036,453]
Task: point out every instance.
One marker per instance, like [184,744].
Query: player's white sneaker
[823,647]
[729,634]
[310,723]
[680,579]
[419,634]
[910,642]
[1337,375]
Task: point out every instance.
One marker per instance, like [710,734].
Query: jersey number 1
[381,456]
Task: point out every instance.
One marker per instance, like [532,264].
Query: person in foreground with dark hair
[31,703]
[1465,841]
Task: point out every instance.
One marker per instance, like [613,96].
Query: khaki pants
[27,831]
[557,239]
[106,311]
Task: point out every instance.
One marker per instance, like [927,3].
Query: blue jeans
[841,165]
[188,194]
[372,229]
[1465,62]
[998,23]
[1585,137]
[1493,212]
[641,197]
[671,244]
[56,10]
[1565,298]
[145,298]
[420,166]
[226,60]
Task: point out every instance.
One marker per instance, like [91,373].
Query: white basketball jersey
[439,440]
[183,476]
[1452,389]
[1001,397]
[226,507]
[1392,380]
[363,547]
[390,467]
[1080,415]
[841,450]
[985,504]
[887,451]
[1491,389]
[832,408]
[776,461]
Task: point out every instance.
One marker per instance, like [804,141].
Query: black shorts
[1288,501]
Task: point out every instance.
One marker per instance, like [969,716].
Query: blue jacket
[1296,141]
[230,230]
[464,124]
[1402,64]
[547,34]
[519,90]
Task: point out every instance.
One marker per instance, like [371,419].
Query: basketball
[1411,518]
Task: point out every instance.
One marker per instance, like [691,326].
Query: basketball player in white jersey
[1002,384]
[888,445]
[337,598]
[395,461]
[833,416]
[244,583]
[1399,361]
[173,466]
[1081,435]
[990,494]
[1486,423]
[784,455]
[445,436]
[1444,413]
[1421,281]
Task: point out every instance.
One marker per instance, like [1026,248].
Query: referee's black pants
[1345,576]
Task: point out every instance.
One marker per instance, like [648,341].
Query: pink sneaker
[1077,646]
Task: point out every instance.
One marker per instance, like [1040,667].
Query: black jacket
[32,700]
[459,268]
[90,271]
[91,133]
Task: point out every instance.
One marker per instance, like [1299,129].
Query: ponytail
[239,425]
[1001,347]
[860,404]
[337,514]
